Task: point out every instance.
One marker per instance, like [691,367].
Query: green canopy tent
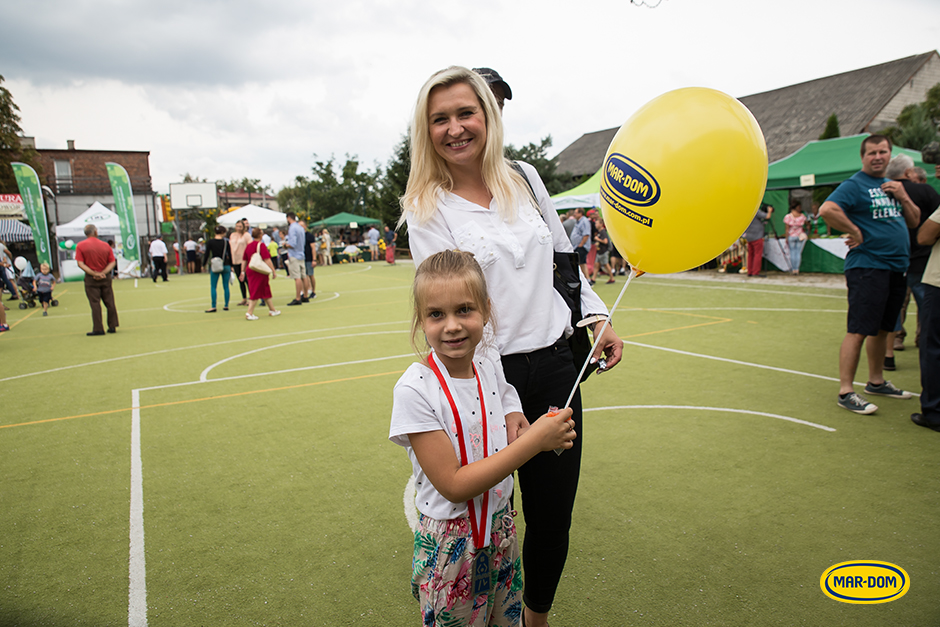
[822,163]
[342,219]
[584,196]
[827,162]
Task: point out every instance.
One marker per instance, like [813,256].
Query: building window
[63,177]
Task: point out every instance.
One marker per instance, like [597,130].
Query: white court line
[137,587]
[743,289]
[743,363]
[408,497]
[170,306]
[721,409]
[774,309]
[195,346]
[277,372]
[204,376]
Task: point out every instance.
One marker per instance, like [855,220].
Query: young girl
[449,413]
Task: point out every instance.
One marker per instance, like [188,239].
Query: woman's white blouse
[517,261]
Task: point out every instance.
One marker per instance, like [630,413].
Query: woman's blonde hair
[452,266]
[429,173]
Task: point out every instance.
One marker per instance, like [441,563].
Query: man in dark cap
[498,86]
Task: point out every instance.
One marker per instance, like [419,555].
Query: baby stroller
[24,282]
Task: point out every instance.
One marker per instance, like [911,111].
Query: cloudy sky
[243,88]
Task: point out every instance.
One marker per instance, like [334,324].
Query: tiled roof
[789,116]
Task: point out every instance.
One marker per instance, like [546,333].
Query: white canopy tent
[109,227]
[257,216]
[106,220]
[581,201]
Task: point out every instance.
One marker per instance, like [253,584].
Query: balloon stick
[577,381]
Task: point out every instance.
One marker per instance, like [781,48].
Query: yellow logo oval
[865,581]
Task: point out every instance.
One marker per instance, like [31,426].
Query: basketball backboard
[193,196]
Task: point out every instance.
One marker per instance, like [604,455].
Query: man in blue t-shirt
[875,214]
[296,268]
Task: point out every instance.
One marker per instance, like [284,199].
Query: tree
[11,144]
[932,104]
[917,129]
[832,128]
[393,182]
[535,155]
[916,125]
[328,192]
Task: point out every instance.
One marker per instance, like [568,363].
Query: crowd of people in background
[597,254]
[295,249]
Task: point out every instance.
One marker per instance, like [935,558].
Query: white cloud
[227,90]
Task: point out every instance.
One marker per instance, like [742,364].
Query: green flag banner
[35,208]
[124,208]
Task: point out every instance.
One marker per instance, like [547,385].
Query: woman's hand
[609,344]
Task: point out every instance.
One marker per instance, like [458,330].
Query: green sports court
[201,469]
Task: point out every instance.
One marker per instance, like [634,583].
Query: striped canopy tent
[15,231]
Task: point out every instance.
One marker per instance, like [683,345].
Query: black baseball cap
[492,77]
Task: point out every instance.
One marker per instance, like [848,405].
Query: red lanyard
[480,538]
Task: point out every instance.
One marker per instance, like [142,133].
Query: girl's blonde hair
[450,266]
[429,173]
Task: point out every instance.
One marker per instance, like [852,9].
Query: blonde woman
[463,194]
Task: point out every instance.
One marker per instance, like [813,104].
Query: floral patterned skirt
[442,573]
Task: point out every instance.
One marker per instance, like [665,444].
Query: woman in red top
[259,285]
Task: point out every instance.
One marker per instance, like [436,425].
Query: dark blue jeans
[929,346]
[14,294]
[226,272]
[548,482]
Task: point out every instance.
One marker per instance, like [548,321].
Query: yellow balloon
[682,179]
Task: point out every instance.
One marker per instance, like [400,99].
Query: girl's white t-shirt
[420,406]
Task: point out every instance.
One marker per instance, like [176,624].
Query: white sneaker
[251,317]
[274,313]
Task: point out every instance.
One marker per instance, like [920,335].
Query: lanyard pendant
[482,579]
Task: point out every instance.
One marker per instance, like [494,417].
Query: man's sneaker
[886,389]
[889,364]
[304,299]
[295,302]
[855,403]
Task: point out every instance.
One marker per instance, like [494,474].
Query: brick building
[229,200]
[79,178]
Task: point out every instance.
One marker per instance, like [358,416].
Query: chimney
[71,144]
